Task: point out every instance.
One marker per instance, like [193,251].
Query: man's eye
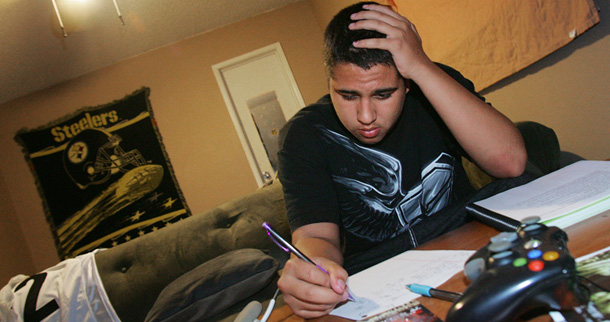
[349,97]
[383,96]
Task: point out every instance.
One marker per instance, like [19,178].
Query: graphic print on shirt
[375,206]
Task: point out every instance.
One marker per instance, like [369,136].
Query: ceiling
[34,54]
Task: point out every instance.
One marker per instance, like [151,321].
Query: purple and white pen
[289,248]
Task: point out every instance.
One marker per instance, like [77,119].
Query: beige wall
[325,10]
[567,91]
[197,131]
[14,254]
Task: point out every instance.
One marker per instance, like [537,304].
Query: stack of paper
[561,198]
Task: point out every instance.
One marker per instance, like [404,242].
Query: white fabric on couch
[69,291]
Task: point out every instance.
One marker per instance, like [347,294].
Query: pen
[432,292]
[287,247]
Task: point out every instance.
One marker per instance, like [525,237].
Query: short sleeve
[309,193]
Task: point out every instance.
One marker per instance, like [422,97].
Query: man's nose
[367,112]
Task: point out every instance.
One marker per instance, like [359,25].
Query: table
[584,238]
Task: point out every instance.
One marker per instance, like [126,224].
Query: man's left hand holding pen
[309,291]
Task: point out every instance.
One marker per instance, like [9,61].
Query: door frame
[259,166]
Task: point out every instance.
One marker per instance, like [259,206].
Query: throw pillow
[214,286]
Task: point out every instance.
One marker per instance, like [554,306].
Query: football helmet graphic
[93,155]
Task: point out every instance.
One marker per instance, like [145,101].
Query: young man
[380,162]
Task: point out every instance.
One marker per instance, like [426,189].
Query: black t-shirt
[373,192]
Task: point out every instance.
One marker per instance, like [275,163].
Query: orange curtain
[490,40]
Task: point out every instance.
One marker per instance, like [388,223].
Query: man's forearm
[489,137]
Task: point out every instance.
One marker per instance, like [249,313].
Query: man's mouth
[369,133]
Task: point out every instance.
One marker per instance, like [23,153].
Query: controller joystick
[517,272]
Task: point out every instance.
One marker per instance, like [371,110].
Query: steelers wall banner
[103,175]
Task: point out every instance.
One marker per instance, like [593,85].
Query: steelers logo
[78,152]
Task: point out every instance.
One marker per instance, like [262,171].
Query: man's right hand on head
[309,291]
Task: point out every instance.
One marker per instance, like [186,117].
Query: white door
[261,94]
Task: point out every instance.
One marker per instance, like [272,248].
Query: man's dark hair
[338,39]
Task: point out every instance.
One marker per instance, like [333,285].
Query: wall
[567,90]
[197,131]
[325,10]
[14,256]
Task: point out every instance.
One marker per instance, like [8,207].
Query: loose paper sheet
[383,286]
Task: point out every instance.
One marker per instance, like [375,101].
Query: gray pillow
[213,286]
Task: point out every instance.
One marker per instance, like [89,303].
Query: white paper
[561,198]
[383,286]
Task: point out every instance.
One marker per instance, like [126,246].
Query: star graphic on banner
[154,197]
[136,216]
[169,203]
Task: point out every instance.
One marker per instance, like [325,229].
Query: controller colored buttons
[534,253]
[550,256]
[534,243]
[536,266]
[536,271]
[519,262]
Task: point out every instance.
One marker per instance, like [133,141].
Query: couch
[198,257]
[210,265]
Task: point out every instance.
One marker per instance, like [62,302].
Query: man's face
[367,101]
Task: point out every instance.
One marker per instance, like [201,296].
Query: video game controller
[517,272]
